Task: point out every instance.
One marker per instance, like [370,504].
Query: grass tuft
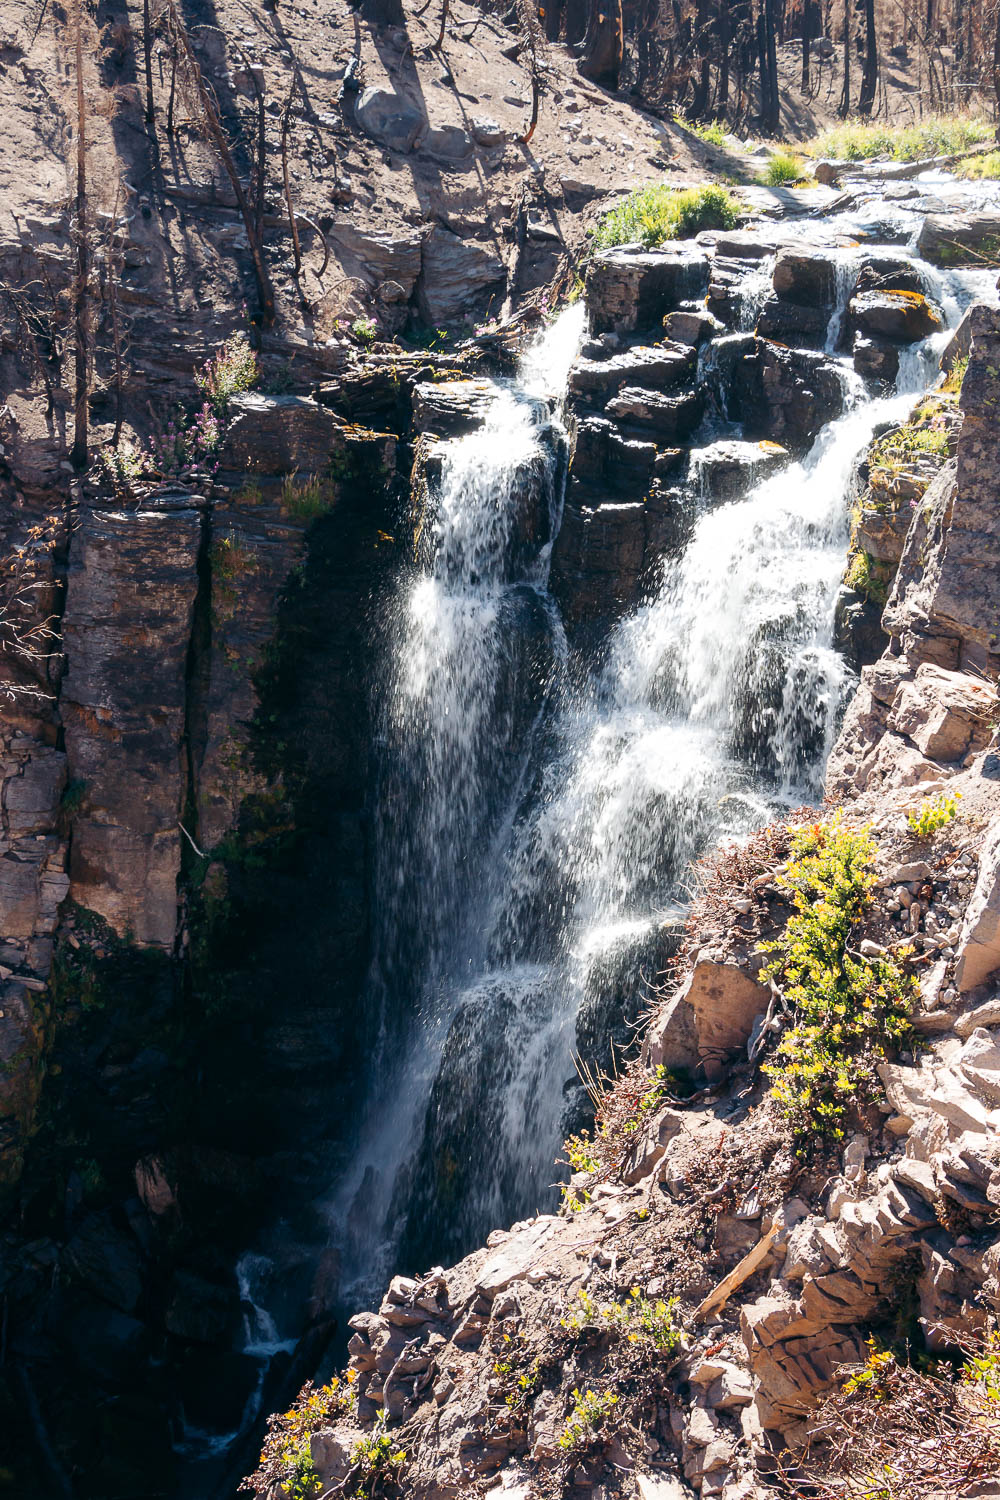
[979,168]
[782,169]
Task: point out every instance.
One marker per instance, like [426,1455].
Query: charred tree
[604,44]
[869,76]
[81,300]
[843,108]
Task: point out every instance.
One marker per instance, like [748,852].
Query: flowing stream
[538,807]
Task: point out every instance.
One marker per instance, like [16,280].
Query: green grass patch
[979,168]
[925,435]
[867,576]
[654,214]
[850,1012]
[938,136]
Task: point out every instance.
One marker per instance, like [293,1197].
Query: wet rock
[201,1311]
[785,395]
[631,289]
[794,323]
[455,275]
[744,244]
[451,408]
[726,470]
[876,359]
[670,419]
[691,328]
[905,316]
[658,365]
[107,1261]
[805,278]
[389,118]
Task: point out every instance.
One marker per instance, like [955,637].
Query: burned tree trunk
[869,76]
[81,311]
[603,46]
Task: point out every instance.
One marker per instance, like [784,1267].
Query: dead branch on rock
[23,576]
[205,108]
[286,117]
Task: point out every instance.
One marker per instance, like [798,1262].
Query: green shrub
[955,376]
[938,136]
[121,467]
[923,436]
[782,168]
[867,576]
[233,370]
[285,1457]
[849,1011]
[933,813]
[637,1319]
[587,1421]
[653,214]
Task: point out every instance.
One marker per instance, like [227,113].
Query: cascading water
[539,812]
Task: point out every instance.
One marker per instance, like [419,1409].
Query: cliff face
[674,1327]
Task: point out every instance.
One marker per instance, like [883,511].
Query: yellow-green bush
[849,1011]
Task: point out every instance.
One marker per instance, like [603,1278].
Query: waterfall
[539,810]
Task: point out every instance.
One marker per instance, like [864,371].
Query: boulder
[389,118]
[945,714]
[447,143]
[906,316]
[692,328]
[454,276]
[486,132]
[726,470]
[785,395]
[960,238]
[710,1017]
[876,359]
[451,408]
[979,943]
[794,323]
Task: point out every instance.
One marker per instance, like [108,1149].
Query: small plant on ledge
[932,814]
[587,1423]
